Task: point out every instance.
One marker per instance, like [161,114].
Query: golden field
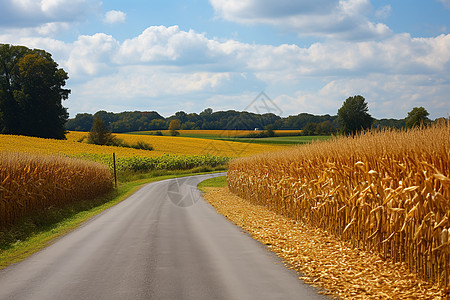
[175,145]
[387,192]
[37,173]
[161,144]
[31,183]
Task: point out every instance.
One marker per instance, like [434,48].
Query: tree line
[229,120]
[206,120]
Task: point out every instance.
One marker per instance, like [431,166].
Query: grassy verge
[281,140]
[212,182]
[40,230]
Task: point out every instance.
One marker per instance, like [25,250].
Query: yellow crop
[178,145]
[30,183]
[26,177]
[385,191]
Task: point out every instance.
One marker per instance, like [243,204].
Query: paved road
[164,242]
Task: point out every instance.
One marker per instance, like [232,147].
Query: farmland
[385,192]
[217,133]
[169,152]
[33,167]
[47,183]
[282,138]
[181,145]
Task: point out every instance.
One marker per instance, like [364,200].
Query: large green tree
[353,115]
[418,116]
[31,93]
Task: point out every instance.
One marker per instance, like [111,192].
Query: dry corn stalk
[30,183]
[386,191]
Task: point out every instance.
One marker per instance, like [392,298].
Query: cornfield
[386,191]
[31,183]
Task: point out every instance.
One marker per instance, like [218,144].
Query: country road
[163,242]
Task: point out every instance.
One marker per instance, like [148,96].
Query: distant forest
[220,120]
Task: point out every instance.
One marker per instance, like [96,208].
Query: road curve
[163,242]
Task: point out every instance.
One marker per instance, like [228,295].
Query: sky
[305,56]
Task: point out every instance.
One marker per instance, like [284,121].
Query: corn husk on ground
[334,266]
[31,183]
[387,192]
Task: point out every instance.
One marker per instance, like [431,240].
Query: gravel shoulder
[324,261]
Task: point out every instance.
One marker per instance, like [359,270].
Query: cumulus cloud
[394,74]
[160,44]
[115,16]
[167,88]
[91,55]
[342,19]
[147,81]
[32,13]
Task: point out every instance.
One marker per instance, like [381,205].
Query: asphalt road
[164,242]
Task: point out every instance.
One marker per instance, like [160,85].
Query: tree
[174,126]
[310,129]
[182,116]
[81,122]
[31,92]
[269,130]
[353,115]
[206,112]
[100,134]
[418,116]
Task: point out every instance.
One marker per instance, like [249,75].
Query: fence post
[115,172]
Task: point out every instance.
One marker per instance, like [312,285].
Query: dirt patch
[323,261]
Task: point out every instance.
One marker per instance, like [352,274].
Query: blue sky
[307,56]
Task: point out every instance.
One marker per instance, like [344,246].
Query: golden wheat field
[31,183]
[385,191]
[178,145]
[161,144]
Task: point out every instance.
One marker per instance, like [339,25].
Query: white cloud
[160,44]
[148,81]
[91,55]
[343,19]
[33,13]
[115,16]
[394,74]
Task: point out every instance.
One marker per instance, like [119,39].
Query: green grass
[282,140]
[220,181]
[41,230]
